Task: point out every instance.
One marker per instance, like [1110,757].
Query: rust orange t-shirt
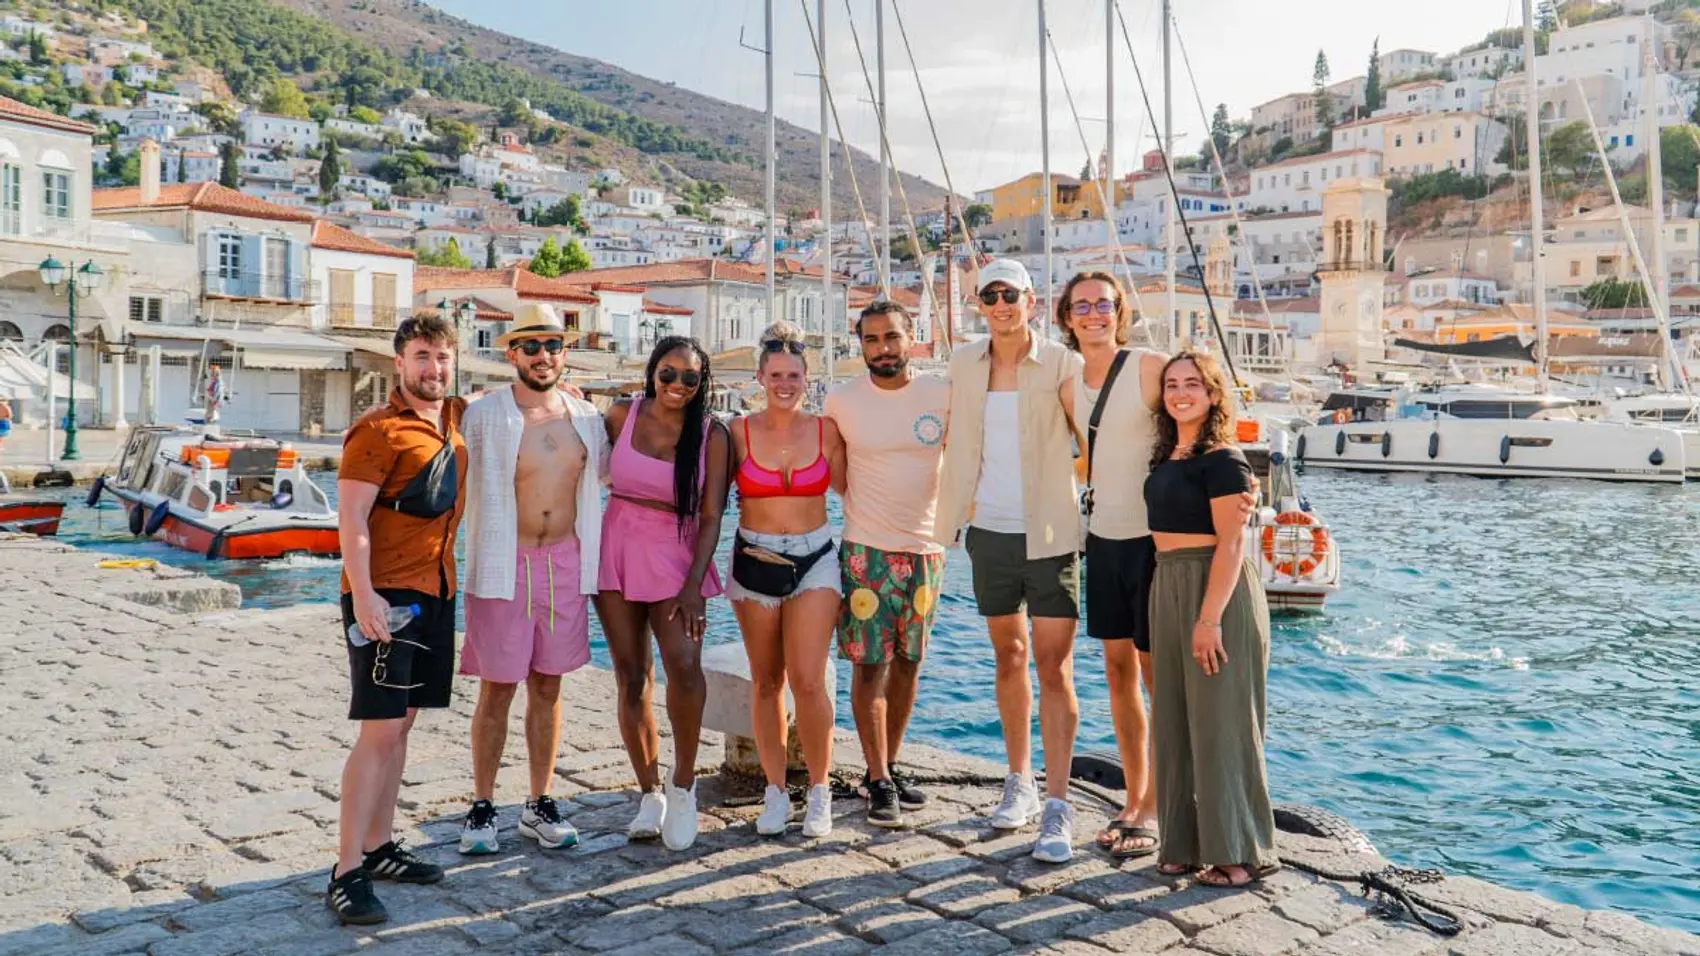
[387,447]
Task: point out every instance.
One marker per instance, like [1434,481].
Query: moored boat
[30,515]
[221,497]
[1296,555]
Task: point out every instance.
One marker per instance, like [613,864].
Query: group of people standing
[985,457]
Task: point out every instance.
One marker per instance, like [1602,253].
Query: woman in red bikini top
[784,584]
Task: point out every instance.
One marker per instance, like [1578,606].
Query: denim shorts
[823,576]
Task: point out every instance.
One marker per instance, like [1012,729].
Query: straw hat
[533,320]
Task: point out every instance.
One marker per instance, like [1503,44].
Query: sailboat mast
[885,154]
[1655,178]
[1537,228]
[1110,236]
[772,158]
[828,319]
[1174,317]
[1045,159]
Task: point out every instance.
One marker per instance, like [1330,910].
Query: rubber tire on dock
[1311,821]
[1102,769]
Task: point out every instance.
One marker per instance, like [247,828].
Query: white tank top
[1127,433]
[997,496]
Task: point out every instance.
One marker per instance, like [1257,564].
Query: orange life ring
[1342,416]
[1292,565]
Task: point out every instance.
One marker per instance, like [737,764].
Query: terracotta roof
[529,285]
[329,235]
[201,197]
[615,287]
[657,308]
[17,112]
[681,272]
[484,310]
[1304,305]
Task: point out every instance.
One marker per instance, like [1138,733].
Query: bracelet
[1215,624]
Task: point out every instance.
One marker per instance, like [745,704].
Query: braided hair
[687,451]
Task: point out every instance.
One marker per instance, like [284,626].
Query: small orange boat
[221,497]
[38,516]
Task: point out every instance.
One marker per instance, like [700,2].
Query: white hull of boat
[1500,448]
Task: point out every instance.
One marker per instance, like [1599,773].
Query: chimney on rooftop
[149,160]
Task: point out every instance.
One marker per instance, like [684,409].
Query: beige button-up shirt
[1050,498]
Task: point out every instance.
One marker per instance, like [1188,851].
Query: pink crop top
[633,474]
[810,481]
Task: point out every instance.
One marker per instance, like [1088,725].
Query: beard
[889,368]
[540,381]
[424,389]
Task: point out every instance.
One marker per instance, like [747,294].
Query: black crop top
[1178,492]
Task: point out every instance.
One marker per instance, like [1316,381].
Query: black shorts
[432,669]
[1118,588]
[1006,579]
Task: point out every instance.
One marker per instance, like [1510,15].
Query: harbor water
[1504,688]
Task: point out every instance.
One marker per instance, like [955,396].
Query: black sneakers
[393,861]
[351,898]
[882,804]
[909,796]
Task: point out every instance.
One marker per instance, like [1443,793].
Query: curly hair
[1218,427]
[1124,314]
[687,451]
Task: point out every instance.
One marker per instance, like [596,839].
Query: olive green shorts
[1006,580]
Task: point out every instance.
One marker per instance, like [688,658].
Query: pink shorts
[643,556]
[545,629]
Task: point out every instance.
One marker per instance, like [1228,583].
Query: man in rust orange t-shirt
[400,493]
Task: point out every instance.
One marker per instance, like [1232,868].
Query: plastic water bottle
[396,617]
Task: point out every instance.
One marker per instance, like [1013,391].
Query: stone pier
[170,775]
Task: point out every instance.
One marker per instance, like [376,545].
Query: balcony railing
[254,285]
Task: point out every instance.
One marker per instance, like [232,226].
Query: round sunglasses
[690,378]
[1084,308]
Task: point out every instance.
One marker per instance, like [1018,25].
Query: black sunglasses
[690,378]
[991,296]
[533,346]
[782,345]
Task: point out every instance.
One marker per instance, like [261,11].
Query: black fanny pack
[773,574]
[432,491]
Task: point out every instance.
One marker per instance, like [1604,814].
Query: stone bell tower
[1219,267]
[1354,226]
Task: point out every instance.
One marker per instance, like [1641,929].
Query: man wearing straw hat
[534,526]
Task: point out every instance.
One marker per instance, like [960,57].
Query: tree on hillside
[182,165]
[1679,149]
[453,136]
[365,114]
[1086,170]
[574,258]
[447,256]
[284,98]
[1569,149]
[229,173]
[499,190]
[38,48]
[1514,152]
[330,170]
[490,253]
[977,215]
[564,213]
[1546,16]
[547,262]
[1221,131]
[1324,102]
[1612,293]
[109,95]
[1372,79]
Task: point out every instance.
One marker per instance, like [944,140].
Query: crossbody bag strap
[1098,412]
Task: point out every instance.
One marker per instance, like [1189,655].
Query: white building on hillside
[1398,64]
[265,129]
[1296,185]
[1487,61]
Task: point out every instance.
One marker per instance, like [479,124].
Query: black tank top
[1179,491]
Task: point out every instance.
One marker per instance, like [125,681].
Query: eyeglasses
[532,346]
[782,345]
[381,665]
[1102,307]
[690,378]
[991,296]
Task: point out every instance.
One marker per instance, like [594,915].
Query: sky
[978,62]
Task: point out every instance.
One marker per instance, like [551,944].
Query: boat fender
[1277,459]
[282,500]
[1504,449]
[1386,444]
[1301,452]
[1657,458]
[136,519]
[1433,445]
[156,518]
[1340,442]
[94,492]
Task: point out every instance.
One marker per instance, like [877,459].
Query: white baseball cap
[1007,271]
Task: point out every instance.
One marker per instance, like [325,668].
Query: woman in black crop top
[1209,639]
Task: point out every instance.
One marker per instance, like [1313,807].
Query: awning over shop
[299,359]
[258,347]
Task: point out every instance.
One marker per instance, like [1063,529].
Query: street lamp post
[79,281]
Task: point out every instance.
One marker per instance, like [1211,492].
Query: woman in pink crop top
[785,580]
[668,477]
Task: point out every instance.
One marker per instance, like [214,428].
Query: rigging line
[1174,197]
[897,176]
[1111,231]
[838,124]
[927,110]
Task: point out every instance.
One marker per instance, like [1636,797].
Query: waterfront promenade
[169,780]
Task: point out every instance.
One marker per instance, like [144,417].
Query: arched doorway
[60,333]
[9,332]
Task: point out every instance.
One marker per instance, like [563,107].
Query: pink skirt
[643,556]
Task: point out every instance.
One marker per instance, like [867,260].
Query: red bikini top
[810,481]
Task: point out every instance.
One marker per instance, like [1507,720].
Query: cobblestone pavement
[169,782]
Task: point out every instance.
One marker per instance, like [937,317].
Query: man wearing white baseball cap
[1009,478]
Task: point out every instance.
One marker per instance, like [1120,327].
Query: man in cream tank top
[1009,477]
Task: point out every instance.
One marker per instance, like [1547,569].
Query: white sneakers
[775,812]
[542,821]
[679,822]
[1020,803]
[817,818]
[1056,833]
[652,809]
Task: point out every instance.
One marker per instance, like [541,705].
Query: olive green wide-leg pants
[1212,789]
